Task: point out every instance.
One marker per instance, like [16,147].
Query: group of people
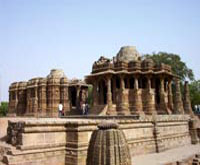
[84,107]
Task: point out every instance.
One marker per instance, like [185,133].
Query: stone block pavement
[167,157]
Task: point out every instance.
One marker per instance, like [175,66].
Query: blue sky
[39,35]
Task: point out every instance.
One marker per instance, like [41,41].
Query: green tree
[195,93]
[3,108]
[178,67]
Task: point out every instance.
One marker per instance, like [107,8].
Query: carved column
[16,101]
[123,108]
[35,104]
[178,104]
[114,91]
[187,103]
[43,100]
[150,98]
[109,96]
[163,103]
[170,95]
[28,98]
[137,101]
[136,85]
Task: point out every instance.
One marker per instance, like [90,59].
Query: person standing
[83,109]
[60,110]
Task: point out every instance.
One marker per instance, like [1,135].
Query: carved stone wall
[67,140]
[40,97]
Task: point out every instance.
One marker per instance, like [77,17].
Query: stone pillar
[94,93]
[65,99]
[16,101]
[109,96]
[35,104]
[123,107]
[150,99]
[136,85]
[28,98]
[170,95]
[42,97]
[137,101]
[43,100]
[64,95]
[149,83]
[163,102]
[114,91]
[187,103]
[178,104]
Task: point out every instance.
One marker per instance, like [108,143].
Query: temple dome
[56,73]
[127,54]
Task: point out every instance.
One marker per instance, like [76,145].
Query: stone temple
[129,85]
[143,98]
[41,96]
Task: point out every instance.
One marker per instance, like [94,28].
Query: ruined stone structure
[41,96]
[129,85]
[108,145]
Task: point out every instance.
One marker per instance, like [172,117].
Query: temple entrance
[72,92]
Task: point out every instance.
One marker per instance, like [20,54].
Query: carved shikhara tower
[129,85]
[41,96]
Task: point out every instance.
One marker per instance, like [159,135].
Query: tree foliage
[3,108]
[195,93]
[178,67]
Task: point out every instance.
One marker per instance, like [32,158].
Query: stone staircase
[99,110]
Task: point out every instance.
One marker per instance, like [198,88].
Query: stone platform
[65,141]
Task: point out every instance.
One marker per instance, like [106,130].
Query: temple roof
[57,73]
[127,54]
